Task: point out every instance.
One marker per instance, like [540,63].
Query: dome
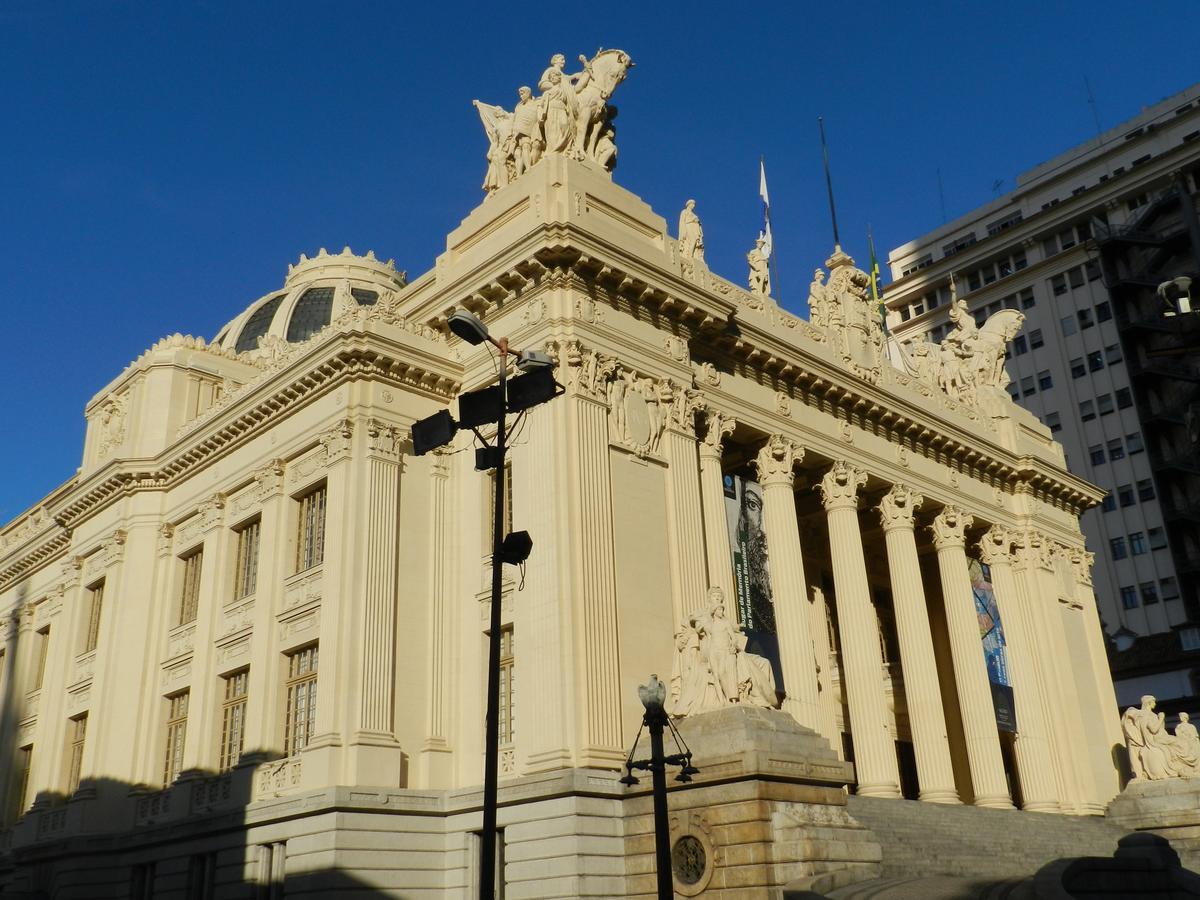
[305,303]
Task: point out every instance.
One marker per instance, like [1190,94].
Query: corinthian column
[789,594]
[935,772]
[712,496]
[970,669]
[1038,789]
[862,662]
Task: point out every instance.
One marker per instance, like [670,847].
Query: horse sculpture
[602,75]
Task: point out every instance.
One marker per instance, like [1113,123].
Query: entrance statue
[1153,753]
[712,668]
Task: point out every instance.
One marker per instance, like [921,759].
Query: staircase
[924,839]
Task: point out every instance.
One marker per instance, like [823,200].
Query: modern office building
[1071,247]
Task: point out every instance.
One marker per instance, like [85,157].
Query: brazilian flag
[876,290]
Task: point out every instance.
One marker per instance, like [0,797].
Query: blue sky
[163,162]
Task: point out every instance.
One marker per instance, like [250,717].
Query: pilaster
[776,464]
[927,719]
[685,516]
[436,749]
[1032,751]
[862,662]
[988,780]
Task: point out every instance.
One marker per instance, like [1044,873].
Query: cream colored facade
[876,490]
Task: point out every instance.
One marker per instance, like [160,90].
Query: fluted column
[776,463]
[435,751]
[685,518]
[861,661]
[970,670]
[1032,750]
[828,700]
[1081,564]
[712,494]
[927,719]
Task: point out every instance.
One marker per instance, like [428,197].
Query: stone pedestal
[1169,808]
[766,813]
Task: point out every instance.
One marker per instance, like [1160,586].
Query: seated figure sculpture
[712,669]
[1154,753]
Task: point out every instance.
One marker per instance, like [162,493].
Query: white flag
[765,234]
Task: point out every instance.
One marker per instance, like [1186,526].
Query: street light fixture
[476,408]
[653,695]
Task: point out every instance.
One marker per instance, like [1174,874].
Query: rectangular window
[1137,543]
[1116,547]
[1129,597]
[1075,277]
[43,651]
[1020,262]
[1109,503]
[1078,369]
[1103,311]
[1085,318]
[1066,238]
[1096,454]
[1020,345]
[1125,495]
[233,718]
[1087,410]
[301,717]
[77,732]
[177,712]
[1104,404]
[1049,245]
[1027,302]
[245,575]
[1058,285]
[1145,489]
[1168,589]
[189,594]
[1095,360]
[1045,382]
[1124,398]
[1053,421]
[1158,538]
[1112,353]
[1116,449]
[310,538]
[1149,592]
[20,798]
[973,282]
[1027,387]
[1092,269]
[507,686]
[95,603]
[1068,325]
[1133,443]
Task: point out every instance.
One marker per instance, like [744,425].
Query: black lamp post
[653,696]
[477,408]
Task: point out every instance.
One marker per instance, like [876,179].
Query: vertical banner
[751,577]
[991,636]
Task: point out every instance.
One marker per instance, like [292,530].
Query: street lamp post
[535,386]
[653,695]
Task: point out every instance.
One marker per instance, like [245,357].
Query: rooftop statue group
[570,115]
[971,357]
[712,669]
[1154,753]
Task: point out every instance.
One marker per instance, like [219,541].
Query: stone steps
[923,839]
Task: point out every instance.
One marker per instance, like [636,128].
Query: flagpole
[762,168]
[828,182]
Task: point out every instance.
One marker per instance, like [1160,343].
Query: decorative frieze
[181,640]
[302,589]
[109,554]
[274,778]
[237,616]
[176,674]
[233,651]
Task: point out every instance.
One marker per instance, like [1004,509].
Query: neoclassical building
[246,643]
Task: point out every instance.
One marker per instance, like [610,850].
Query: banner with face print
[751,577]
[991,636]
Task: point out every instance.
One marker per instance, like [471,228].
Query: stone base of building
[768,810]
[1169,808]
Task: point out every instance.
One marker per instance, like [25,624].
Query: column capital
[1034,549]
[719,426]
[839,486]
[949,527]
[776,462]
[439,462]
[336,441]
[270,479]
[897,506]
[383,440]
[995,546]
[1081,562]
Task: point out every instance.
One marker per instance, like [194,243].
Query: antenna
[1092,103]
[828,182]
